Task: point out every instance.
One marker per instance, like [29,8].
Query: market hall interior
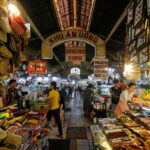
[74,74]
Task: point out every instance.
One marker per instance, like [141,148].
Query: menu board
[130,34]
[101,68]
[130,13]
[143,55]
[135,62]
[133,33]
[37,67]
[141,41]
[138,12]
[148,8]
[132,46]
[133,54]
[75,54]
[140,28]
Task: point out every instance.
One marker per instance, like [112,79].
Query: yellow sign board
[73,35]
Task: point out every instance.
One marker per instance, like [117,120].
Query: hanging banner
[73,35]
[37,67]
[75,54]
[101,68]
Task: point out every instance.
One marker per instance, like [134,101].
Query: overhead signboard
[143,55]
[75,54]
[138,12]
[37,67]
[130,13]
[73,35]
[101,68]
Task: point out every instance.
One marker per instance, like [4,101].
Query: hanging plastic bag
[4,66]
[25,38]
[12,43]
[17,24]
[4,22]
[3,36]
[5,52]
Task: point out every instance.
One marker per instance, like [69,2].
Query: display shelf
[145,108]
[31,124]
[4,108]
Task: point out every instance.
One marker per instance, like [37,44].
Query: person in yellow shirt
[53,107]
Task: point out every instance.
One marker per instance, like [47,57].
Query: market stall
[131,129]
[24,129]
[101,101]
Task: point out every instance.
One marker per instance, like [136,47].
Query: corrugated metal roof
[69,11]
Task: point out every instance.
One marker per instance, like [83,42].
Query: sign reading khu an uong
[71,35]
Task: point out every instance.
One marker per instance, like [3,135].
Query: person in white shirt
[125,97]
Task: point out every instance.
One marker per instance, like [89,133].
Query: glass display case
[105,90]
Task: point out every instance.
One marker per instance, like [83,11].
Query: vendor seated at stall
[115,94]
[125,97]
[13,96]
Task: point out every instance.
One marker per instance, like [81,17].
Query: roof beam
[91,13]
[35,29]
[75,13]
[123,15]
[121,18]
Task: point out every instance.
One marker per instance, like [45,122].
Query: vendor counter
[130,132]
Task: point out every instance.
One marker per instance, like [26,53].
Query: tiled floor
[75,118]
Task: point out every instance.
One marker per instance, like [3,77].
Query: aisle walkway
[74,117]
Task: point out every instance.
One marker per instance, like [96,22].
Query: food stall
[101,101]
[131,129]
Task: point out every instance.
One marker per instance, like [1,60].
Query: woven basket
[3,135]
[38,107]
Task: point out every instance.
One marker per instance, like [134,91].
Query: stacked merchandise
[14,37]
[125,134]
[29,128]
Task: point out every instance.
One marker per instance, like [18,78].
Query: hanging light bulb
[13,9]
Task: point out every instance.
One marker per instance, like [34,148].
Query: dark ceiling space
[105,15]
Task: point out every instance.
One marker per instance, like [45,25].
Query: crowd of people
[55,111]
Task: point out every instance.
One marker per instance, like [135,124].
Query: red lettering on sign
[86,35]
[56,37]
[95,40]
[90,37]
[51,41]
[68,35]
[81,34]
[74,34]
[61,36]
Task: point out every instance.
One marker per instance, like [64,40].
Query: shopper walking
[115,94]
[125,97]
[87,98]
[62,107]
[53,107]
